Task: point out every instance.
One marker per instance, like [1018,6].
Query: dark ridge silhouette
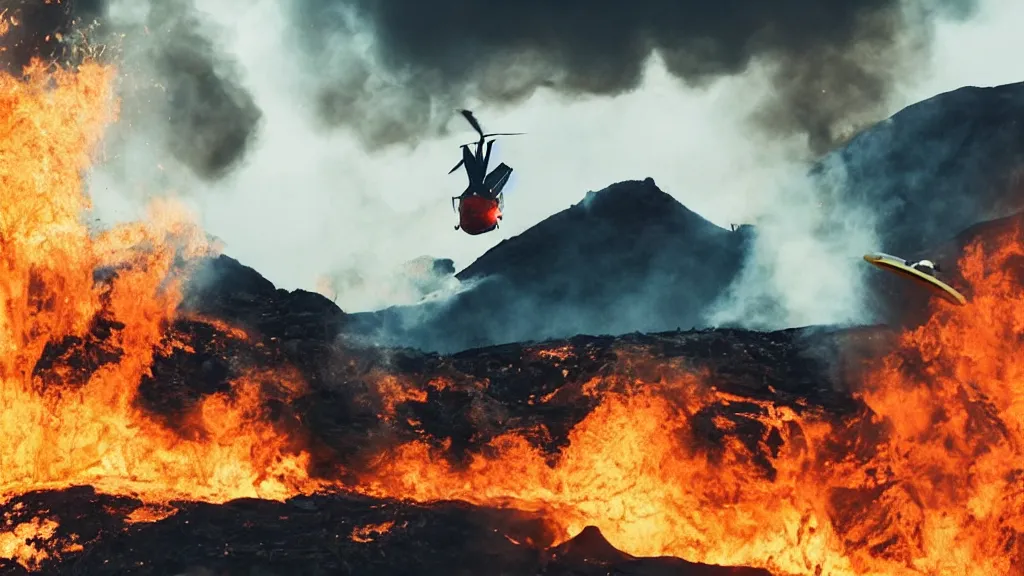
[625,258]
[632,258]
[934,168]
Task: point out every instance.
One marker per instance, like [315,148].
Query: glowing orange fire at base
[94,434]
[940,493]
[954,401]
[371,532]
[15,543]
[631,471]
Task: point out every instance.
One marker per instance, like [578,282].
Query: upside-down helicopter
[480,206]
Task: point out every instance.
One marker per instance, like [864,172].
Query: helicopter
[479,206]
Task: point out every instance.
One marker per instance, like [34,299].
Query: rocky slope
[934,168]
[631,258]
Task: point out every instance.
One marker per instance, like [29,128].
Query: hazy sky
[306,203]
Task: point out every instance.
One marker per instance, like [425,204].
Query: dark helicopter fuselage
[480,182]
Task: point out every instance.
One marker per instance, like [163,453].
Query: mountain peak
[631,212]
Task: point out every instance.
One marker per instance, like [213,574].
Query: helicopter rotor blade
[473,122]
[487,155]
[457,166]
[490,135]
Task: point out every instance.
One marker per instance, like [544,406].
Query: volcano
[167,410]
[630,257]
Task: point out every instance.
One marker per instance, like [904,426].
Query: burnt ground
[321,535]
[457,403]
[340,419]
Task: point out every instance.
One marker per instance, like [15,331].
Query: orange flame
[16,541]
[630,471]
[371,532]
[95,434]
[941,494]
[939,490]
[954,400]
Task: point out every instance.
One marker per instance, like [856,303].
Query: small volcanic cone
[589,547]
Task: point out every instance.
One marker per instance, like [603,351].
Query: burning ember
[923,475]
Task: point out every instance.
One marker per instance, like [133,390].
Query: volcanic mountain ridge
[632,258]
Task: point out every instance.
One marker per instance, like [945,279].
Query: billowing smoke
[414,282]
[211,118]
[805,266]
[260,99]
[182,98]
[833,62]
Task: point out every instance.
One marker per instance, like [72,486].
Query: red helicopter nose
[478,215]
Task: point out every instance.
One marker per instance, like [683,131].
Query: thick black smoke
[180,87]
[836,60]
[211,117]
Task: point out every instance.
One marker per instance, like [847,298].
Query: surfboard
[900,266]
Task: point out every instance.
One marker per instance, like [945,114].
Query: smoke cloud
[805,266]
[211,118]
[182,98]
[286,121]
[834,62]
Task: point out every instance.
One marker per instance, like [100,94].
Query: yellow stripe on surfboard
[899,266]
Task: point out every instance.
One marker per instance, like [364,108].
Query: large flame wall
[936,489]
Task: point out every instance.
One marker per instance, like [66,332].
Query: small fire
[150,513]
[17,542]
[371,532]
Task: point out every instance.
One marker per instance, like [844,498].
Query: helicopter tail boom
[496,180]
